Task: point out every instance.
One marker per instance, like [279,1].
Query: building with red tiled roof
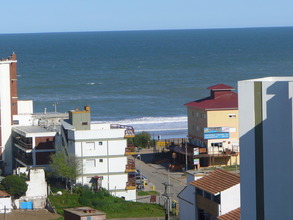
[211,196]
[213,129]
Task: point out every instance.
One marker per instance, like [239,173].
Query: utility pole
[186,161]
[55,106]
[167,194]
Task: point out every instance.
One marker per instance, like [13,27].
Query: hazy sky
[19,16]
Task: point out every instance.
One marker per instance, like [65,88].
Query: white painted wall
[129,195]
[37,185]
[7,204]
[5,104]
[230,199]
[117,147]
[24,120]
[117,181]
[25,107]
[94,134]
[117,164]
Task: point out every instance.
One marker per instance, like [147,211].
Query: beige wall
[197,121]
[222,119]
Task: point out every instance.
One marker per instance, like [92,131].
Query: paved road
[158,174]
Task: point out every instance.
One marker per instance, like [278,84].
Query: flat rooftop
[31,130]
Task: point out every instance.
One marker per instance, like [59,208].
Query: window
[84,123]
[199,191]
[197,128]
[100,143]
[232,115]
[207,195]
[219,144]
[197,114]
[101,160]
[16,122]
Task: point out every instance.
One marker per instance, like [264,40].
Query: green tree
[142,139]
[66,166]
[14,185]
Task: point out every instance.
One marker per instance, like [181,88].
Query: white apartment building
[266,144]
[8,108]
[102,150]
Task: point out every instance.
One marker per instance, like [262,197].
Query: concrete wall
[230,199]
[25,107]
[187,203]
[5,203]
[266,148]
[5,102]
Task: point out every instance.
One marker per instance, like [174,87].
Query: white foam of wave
[92,83]
[149,120]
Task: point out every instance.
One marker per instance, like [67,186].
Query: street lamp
[139,156]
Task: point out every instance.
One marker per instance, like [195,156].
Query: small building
[83,213]
[213,129]
[211,196]
[37,190]
[5,202]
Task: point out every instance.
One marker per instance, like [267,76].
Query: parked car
[144,180]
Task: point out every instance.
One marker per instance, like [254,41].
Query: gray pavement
[157,175]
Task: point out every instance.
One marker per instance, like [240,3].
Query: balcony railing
[20,142]
[130,166]
[130,149]
[131,184]
[129,130]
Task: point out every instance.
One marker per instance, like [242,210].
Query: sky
[34,16]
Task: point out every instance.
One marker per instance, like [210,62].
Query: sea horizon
[143,78]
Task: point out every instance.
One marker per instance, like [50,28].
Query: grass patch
[114,207]
[147,193]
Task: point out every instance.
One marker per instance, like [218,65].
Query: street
[158,174]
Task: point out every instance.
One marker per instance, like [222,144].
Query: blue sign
[212,130]
[217,135]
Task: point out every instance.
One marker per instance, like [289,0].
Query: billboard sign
[217,135]
[212,130]
[195,161]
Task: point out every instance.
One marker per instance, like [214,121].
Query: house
[83,213]
[213,129]
[102,150]
[5,202]
[211,196]
[266,141]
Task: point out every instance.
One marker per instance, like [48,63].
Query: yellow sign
[162,144]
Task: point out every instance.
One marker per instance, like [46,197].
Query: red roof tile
[4,194]
[233,215]
[217,181]
[221,98]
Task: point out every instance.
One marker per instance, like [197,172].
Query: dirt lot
[29,215]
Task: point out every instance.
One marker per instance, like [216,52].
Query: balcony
[23,142]
[129,130]
[131,184]
[130,166]
[130,149]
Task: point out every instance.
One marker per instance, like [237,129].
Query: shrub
[14,185]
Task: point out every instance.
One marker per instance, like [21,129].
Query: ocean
[142,78]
